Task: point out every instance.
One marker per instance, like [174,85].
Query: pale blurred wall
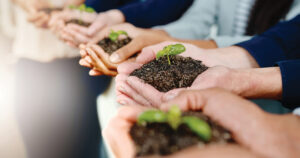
[11,144]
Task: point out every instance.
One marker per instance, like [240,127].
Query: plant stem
[169,61]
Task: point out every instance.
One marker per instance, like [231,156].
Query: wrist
[116,16]
[261,83]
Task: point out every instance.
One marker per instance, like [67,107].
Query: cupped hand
[68,32]
[116,136]
[133,89]
[108,64]
[268,135]
[35,14]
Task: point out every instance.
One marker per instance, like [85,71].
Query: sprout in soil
[114,35]
[82,8]
[174,119]
[170,50]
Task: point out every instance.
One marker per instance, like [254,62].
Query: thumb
[95,27]
[127,51]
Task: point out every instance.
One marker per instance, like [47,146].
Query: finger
[145,90]
[101,35]
[128,67]
[42,22]
[125,100]
[84,63]
[172,94]
[125,89]
[95,27]
[79,38]
[147,55]
[99,64]
[34,17]
[218,104]
[82,51]
[127,51]
[104,56]
[79,29]
[94,72]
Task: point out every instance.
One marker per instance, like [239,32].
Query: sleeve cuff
[265,51]
[290,83]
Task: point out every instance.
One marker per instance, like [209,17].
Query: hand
[106,64]
[132,90]
[251,127]
[67,32]
[35,15]
[117,137]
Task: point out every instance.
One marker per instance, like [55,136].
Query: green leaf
[174,117]
[121,32]
[113,36]
[151,116]
[160,54]
[176,49]
[170,50]
[200,127]
[82,7]
[90,10]
[72,7]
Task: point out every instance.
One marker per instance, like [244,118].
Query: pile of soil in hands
[161,139]
[78,22]
[110,46]
[164,77]
[50,10]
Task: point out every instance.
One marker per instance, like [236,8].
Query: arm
[290,82]
[279,43]
[154,12]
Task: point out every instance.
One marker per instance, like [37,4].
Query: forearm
[205,44]
[261,83]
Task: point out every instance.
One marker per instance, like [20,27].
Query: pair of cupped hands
[72,34]
[257,133]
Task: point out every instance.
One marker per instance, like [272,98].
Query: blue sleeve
[104,5]
[290,83]
[154,12]
[278,43]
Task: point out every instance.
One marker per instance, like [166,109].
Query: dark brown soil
[78,22]
[164,77]
[50,10]
[110,46]
[161,139]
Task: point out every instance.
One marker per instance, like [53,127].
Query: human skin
[257,133]
[236,72]
[141,38]
[37,17]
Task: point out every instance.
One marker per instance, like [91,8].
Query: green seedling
[174,119]
[152,116]
[114,35]
[82,8]
[200,127]
[170,50]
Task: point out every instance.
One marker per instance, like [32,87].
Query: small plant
[114,35]
[82,8]
[174,119]
[170,50]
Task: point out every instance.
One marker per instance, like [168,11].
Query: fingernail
[121,88]
[170,96]
[123,102]
[114,58]
[88,59]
